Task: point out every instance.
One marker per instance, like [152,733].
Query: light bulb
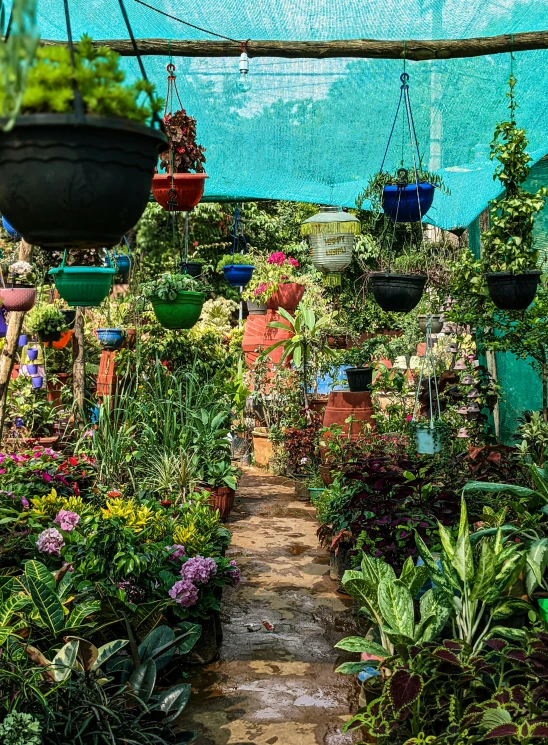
[244,63]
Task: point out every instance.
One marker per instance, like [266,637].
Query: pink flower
[67,520]
[409,418]
[293,262]
[177,551]
[233,573]
[50,541]
[261,288]
[46,476]
[184,593]
[199,570]
[278,257]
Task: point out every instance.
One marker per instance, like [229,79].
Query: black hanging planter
[83,183]
[359,378]
[397,293]
[513,291]
[194,268]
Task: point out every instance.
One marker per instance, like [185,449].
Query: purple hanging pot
[37,381]
[32,369]
[32,353]
[3,324]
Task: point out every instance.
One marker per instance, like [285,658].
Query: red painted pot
[342,404]
[253,338]
[287,296]
[272,335]
[189,189]
[222,499]
[66,336]
[18,298]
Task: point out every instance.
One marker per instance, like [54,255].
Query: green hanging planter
[83,285]
[181,313]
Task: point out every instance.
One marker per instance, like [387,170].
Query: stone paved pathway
[278,686]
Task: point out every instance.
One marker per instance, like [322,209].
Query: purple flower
[67,520]
[25,503]
[184,593]
[177,551]
[233,573]
[199,570]
[133,593]
[50,541]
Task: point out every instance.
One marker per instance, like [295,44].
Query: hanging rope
[78,105]
[186,23]
[238,236]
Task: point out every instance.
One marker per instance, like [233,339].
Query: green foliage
[20,729]
[167,286]
[98,77]
[45,319]
[402,177]
[236,258]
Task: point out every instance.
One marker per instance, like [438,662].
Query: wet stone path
[274,682]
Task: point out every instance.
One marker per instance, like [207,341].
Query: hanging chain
[237,235]
[78,104]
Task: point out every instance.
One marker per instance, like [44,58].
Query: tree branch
[356,48]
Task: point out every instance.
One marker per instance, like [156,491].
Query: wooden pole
[79,366]
[9,352]
[417,50]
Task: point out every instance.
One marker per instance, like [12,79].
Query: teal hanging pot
[83,285]
[428,443]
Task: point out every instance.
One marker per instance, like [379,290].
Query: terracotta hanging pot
[287,296]
[18,298]
[188,189]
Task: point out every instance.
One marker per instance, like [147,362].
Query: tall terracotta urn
[253,340]
[342,404]
[272,335]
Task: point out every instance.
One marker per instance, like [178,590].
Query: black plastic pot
[84,185]
[359,378]
[194,268]
[398,293]
[54,336]
[436,324]
[512,291]
[70,318]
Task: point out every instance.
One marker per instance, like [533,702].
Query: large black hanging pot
[398,293]
[513,291]
[79,183]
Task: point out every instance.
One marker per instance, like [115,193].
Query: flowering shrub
[277,269]
[67,520]
[50,541]
[32,473]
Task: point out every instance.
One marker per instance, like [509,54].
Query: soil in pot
[181,313]
[398,293]
[188,187]
[90,190]
[359,378]
[513,291]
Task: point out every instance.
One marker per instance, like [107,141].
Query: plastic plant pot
[111,339]
[32,369]
[408,203]
[23,341]
[83,285]
[435,324]
[37,381]
[70,317]
[513,291]
[181,313]
[10,230]
[256,309]
[398,293]
[188,187]
[359,378]
[238,275]
[32,353]
[193,268]
[18,298]
[427,442]
[52,336]
[315,491]
[3,324]
[92,187]
[123,263]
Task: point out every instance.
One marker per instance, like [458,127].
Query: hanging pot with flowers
[180,186]
[276,283]
[47,322]
[18,293]
[95,181]
[177,299]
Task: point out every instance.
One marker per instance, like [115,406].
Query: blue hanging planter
[32,353]
[10,230]
[407,203]
[37,381]
[238,275]
[111,339]
[123,263]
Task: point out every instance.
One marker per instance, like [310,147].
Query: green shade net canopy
[316,130]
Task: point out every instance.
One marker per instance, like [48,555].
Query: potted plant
[82,285]
[509,259]
[276,283]
[193,266]
[399,287]
[20,293]
[430,434]
[176,299]
[178,189]
[221,479]
[47,322]
[95,183]
[236,268]
[360,371]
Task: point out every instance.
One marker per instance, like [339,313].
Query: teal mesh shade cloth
[315,130]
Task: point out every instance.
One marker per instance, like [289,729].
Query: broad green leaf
[361,645]
[82,611]
[10,606]
[396,605]
[174,700]
[143,679]
[495,717]
[537,561]
[490,488]
[363,591]
[63,662]
[434,603]
[485,573]
[157,638]
[508,607]
[297,356]
[463,560]
[506,578]
[353,668]
[446,541]
[40,573]
[192,632]
[414,578]
[435,575]
[105,652]
[421,630]
[46,603]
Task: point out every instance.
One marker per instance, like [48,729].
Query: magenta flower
[199,570]
[46,476]
[67,520]
[293,262]
[233,573]
[177,551]
[278,257]
[50,541]
[184,593]
[261,288]
[25,504]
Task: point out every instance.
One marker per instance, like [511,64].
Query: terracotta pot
[62,342]
[222,499]
[253,338]
[18,298]
[318,405]
[342,404]
[130,340]
[337,342]
[326,475]
[15,372]
[301,491]
[272,335]
[55,388]
[188,187]
[262,448]
[287,296]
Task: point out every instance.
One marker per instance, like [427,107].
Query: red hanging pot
[188,189]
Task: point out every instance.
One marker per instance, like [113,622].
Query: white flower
[303,461]
[20,268]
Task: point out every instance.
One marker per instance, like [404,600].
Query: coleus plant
[184,154]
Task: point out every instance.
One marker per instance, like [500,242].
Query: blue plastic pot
[10,230]
[238,275]
[32,369]
[37,381]
[3,324]
[426,440]
[404,204]
[32,353]
[23,341]
[111,339]
[123,263]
